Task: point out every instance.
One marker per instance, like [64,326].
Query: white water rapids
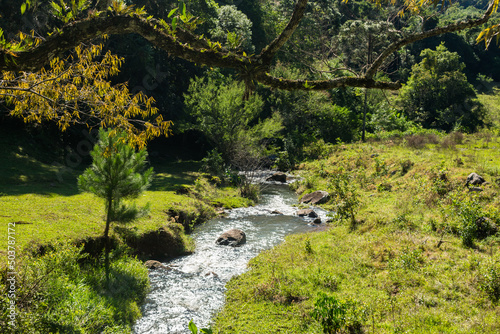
[195,288]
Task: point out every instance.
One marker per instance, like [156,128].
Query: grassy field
[402,266]
[44,202]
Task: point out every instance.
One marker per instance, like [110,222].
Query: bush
[214,164]
[335,315]
[419,141]
[471,217]
[489,280]
[451,140]
[62,294]
[346,196]
[406,165]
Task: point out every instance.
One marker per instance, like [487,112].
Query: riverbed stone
[316,197]
[277,177]
[234,237]
[153,264]
[307,213]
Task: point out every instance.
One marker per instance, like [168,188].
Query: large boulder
[307,213]
[232,237]
[474,179]
[277,177]
[317,197]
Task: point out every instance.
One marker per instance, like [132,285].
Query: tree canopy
[83,23]
[32,62]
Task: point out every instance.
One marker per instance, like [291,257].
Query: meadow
[408,262]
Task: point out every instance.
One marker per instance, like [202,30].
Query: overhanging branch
[372,70]
[270,51]
[288,84]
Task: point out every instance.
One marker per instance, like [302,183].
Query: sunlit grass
[402,264]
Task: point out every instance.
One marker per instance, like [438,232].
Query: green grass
[403,264]
[46,205]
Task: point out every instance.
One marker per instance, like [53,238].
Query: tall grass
[63,291]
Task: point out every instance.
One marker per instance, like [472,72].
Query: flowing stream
[195,288]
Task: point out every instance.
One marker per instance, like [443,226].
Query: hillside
[418,258]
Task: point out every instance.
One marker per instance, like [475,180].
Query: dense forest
[207,90]
[334,39]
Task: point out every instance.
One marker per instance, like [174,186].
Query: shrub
[346,196]
[214,164]
[318,149]
[406,165]
[440,183]
[380,167]
[416,141]
[384,187]
[335,314]
[469,212]
[489,280]
[451,140]
[60,293]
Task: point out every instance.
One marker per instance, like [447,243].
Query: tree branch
[270,51]
[372,70]
[288,84]
[183,45]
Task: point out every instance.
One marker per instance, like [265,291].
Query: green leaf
[192,327]
[183,5]
[172,12]
[23,8]
[174,23]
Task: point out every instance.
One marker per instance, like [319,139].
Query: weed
[384,186]
[335,314]
[347,198]
[469,212]
[380,167]
[408,259]
[324,279]
[402,222]
[59,293]
[416,141]
[489,280]
[194,329]
[452,140]
[308,247]
[249,190]
[405,165]
[440,182]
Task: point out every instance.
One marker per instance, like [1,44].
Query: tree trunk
[364,116]
[106,239]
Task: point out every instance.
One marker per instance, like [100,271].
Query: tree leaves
[76,90]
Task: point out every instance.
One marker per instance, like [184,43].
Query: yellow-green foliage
[63,291]
[404,265]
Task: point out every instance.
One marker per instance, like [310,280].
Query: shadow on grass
[171,176]
[21,174]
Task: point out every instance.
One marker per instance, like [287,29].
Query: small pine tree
[117,173]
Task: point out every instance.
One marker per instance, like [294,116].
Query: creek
[195,287]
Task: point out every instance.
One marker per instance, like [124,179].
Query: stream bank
[194,285]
